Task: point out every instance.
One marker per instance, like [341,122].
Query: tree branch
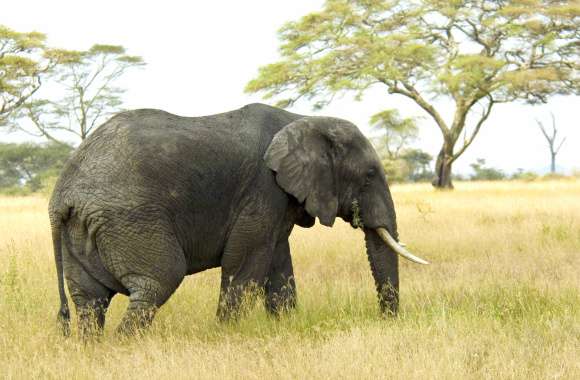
[559,146]
[544,132]
[21,100]
[411,93]
[483,118]
[40,127]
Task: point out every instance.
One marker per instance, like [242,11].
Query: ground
[500,300]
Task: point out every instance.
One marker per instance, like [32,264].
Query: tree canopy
[475,53]
[24,59]
[90,94]
[25,165]
[395,133]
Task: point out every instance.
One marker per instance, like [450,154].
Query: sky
[201,54]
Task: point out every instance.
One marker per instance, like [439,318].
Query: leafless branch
[552,135]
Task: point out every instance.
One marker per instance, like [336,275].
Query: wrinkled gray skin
[151,197]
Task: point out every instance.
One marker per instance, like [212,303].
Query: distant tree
[24,60]
[91,94]
[395,132]
[483,173]
[551,138]
[26,164]
[412,165]
[401,162]
[476,53]
[395,170]
[418,163]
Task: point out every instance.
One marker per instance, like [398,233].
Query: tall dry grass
[500,300]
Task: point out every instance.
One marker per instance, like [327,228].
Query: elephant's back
[145,155]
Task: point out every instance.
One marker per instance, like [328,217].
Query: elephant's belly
[199,266]
[200,257]
[203,249]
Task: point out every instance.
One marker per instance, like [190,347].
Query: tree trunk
[553,163]
[443,167]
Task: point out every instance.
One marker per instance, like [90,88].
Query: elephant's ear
[301,155]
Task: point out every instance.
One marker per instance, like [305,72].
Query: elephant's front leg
[239,288]
[280,284]
[245,265]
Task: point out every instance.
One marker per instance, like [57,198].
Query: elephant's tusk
[388,239]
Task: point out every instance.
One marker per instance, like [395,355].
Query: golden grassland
[500,300]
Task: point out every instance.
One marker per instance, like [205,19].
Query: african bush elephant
[151,197]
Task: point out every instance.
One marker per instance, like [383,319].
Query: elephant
[151,197]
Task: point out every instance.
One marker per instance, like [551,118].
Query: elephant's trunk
[385,268]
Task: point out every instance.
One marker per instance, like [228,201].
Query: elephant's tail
[63,317]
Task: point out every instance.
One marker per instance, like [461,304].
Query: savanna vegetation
[500,300]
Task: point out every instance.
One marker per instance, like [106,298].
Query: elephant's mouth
[354,217]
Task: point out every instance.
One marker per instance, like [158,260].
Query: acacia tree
[551,140]
[400,161]
[88,83]
[476,53]
[24,60]
[418,162]
[396,132]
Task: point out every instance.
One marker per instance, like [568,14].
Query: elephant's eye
[370,174]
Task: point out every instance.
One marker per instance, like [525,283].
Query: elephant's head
[332,170]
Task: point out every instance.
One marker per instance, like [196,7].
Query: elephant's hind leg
[90,297]
[149,262]
[146,295]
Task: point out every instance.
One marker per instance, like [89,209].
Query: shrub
[483,173]
[524,175]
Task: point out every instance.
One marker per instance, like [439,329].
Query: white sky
[200,55]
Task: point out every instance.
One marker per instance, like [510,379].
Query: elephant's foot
[280,294]
[235,301]
[230,305]
[91,318]
[281,299]
[137,319]
[277,304]
[146,296]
